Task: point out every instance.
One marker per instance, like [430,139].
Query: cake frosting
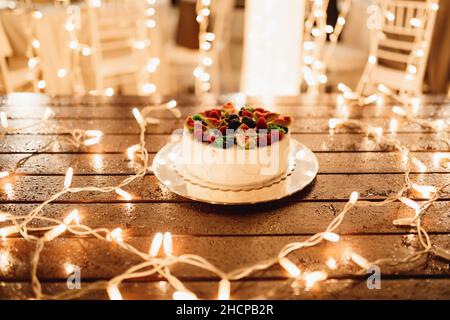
[232,148]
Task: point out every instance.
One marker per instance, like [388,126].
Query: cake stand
[168,168]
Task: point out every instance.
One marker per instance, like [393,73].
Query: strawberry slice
[261,123]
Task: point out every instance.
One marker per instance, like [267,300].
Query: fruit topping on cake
[247,127]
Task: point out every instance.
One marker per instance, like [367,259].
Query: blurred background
[108,47]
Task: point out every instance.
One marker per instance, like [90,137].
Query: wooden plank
[168,126]
[324,187]
[335,289]
[316,142]
[145,219]
[319,111]
[100,259]
[345,162]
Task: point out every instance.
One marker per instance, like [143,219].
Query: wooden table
[228,236]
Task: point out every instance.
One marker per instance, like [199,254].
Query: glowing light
[123,194]
[360,261]
[132,150]
[341,21]
[68,177]
[206,46]
[4,174]
[372,59]
[138,116]
[412,69]
[5,261]
[167,243]
[308,45]
[69,27]
[61,73]
[342,87]
[329,29]
[382,88]
[115,235]
[86,51]
[73,45]
[353,197]
[73,216]
[156,244]
[206,2]
[290,267]
[312,278]
[434,6]
[410,203]
[316,32]
[139,45]
[415,22]
[331,236]
[95,3]
[205,12]
[150,23]
[424,191]
[171,104]
[148,88]
[390,16]
[32,63]
[4,120]
[35,43]
[224,289]
[3,217]
[150,12]
[37,15]
[184,295]
[55,232]
[419,164]
[6,231]
[113,292]
[207,61]
[333,123]
[109,92]
[331,263]
[420,53]
[70,268]
[393,125]
[41,84]
[398,110]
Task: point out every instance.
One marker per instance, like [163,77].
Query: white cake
[245,157]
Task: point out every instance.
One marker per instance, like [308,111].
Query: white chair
[117,41]
[182,61]
[400,49]
[14,70]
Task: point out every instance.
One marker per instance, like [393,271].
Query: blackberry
[233,116]
[249,122]
[234,124]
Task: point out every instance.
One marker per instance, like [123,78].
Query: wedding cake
[230,147]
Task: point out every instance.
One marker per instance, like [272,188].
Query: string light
[205,38]
[115,235]
[331,236]
[137,115]
[114,292]
[224,289]
[68,177]
[123,194]
[312,278]
[4,120]
[156,244]
[184,295]
[167,243]
[360,261]
[290,267]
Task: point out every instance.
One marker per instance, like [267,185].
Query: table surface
[228,236]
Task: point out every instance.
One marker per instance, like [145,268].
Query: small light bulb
[123,194]
[68,177]
[138,116]
[331,236]
[41,84]
[224,289]
[4,120]
[113,292]
[167,243]
[61,73]
[353,197]
[313,277]
[290,267]
[156,244]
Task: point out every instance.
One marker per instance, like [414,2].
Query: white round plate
[303,173]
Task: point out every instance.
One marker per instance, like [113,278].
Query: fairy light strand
[152,263]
